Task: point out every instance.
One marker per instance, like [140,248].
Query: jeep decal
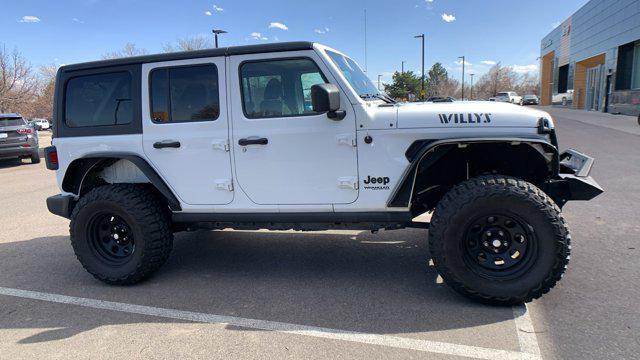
[381,182]
[468,118]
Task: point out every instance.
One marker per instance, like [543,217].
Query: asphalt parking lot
[336,294]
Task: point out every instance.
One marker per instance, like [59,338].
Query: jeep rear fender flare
[78,170]
[432,150]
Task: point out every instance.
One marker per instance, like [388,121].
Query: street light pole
[379,76]
[216,32]
[471,96]
[422,92]
[402,72]
[462,57]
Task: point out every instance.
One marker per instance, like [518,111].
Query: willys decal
[468,118]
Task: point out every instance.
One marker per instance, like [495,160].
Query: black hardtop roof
[226,51]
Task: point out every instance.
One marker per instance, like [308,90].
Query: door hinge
[224,184]
[346,139]
[348,182]
[221,144]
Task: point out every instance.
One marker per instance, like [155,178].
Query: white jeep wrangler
[296,136]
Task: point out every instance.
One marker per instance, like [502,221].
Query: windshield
[503,94]
[13,121]
[354,75]
[530,96]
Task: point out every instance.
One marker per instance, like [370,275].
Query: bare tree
[450,87]
[527,84]
[129,50]
[17,81]
[188,44]
[43,100]
[497,79]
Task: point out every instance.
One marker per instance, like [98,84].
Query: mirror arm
[337,114]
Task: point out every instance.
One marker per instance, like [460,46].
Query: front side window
[358,80]
[279,88]
[99,100]
[184,94]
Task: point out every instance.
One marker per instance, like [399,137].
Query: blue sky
[485,31]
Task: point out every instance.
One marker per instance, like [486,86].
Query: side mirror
[326,98]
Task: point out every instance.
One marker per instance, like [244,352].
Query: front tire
[499,240]
[121,233]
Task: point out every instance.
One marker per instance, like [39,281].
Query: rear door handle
[166,144]
[253,141]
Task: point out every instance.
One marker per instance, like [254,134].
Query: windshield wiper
[382,97]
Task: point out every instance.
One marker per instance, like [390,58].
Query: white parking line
[526,333]
[313,331]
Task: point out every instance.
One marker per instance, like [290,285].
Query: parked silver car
[18,139]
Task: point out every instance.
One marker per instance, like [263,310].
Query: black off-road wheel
[499,240]
[121,234]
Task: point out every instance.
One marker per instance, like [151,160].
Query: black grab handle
[166,144]
[253,141]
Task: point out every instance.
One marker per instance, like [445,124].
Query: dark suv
[18,139]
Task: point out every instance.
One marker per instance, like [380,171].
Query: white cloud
[523,69]
[29,19]
[448,17]
[429,1]
[321,31]
[278,25]
[488,62]
[466,63]
[208,13]
[217,8]
[258,36]
[556,24]
[77,20]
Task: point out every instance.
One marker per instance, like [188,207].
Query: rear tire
[522,263]
[35,158]
[121,233]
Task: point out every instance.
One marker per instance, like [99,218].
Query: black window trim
[244,110]
[61,129]
[167,68]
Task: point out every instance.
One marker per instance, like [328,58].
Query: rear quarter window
[99,100]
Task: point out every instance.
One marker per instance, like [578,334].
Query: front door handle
[166,144]
[253,141]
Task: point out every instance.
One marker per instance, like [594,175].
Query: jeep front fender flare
[429,151]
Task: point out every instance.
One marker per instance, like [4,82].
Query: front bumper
[573,181]
[61,205]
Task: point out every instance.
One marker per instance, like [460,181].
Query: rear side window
[184,94]
[99,100]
